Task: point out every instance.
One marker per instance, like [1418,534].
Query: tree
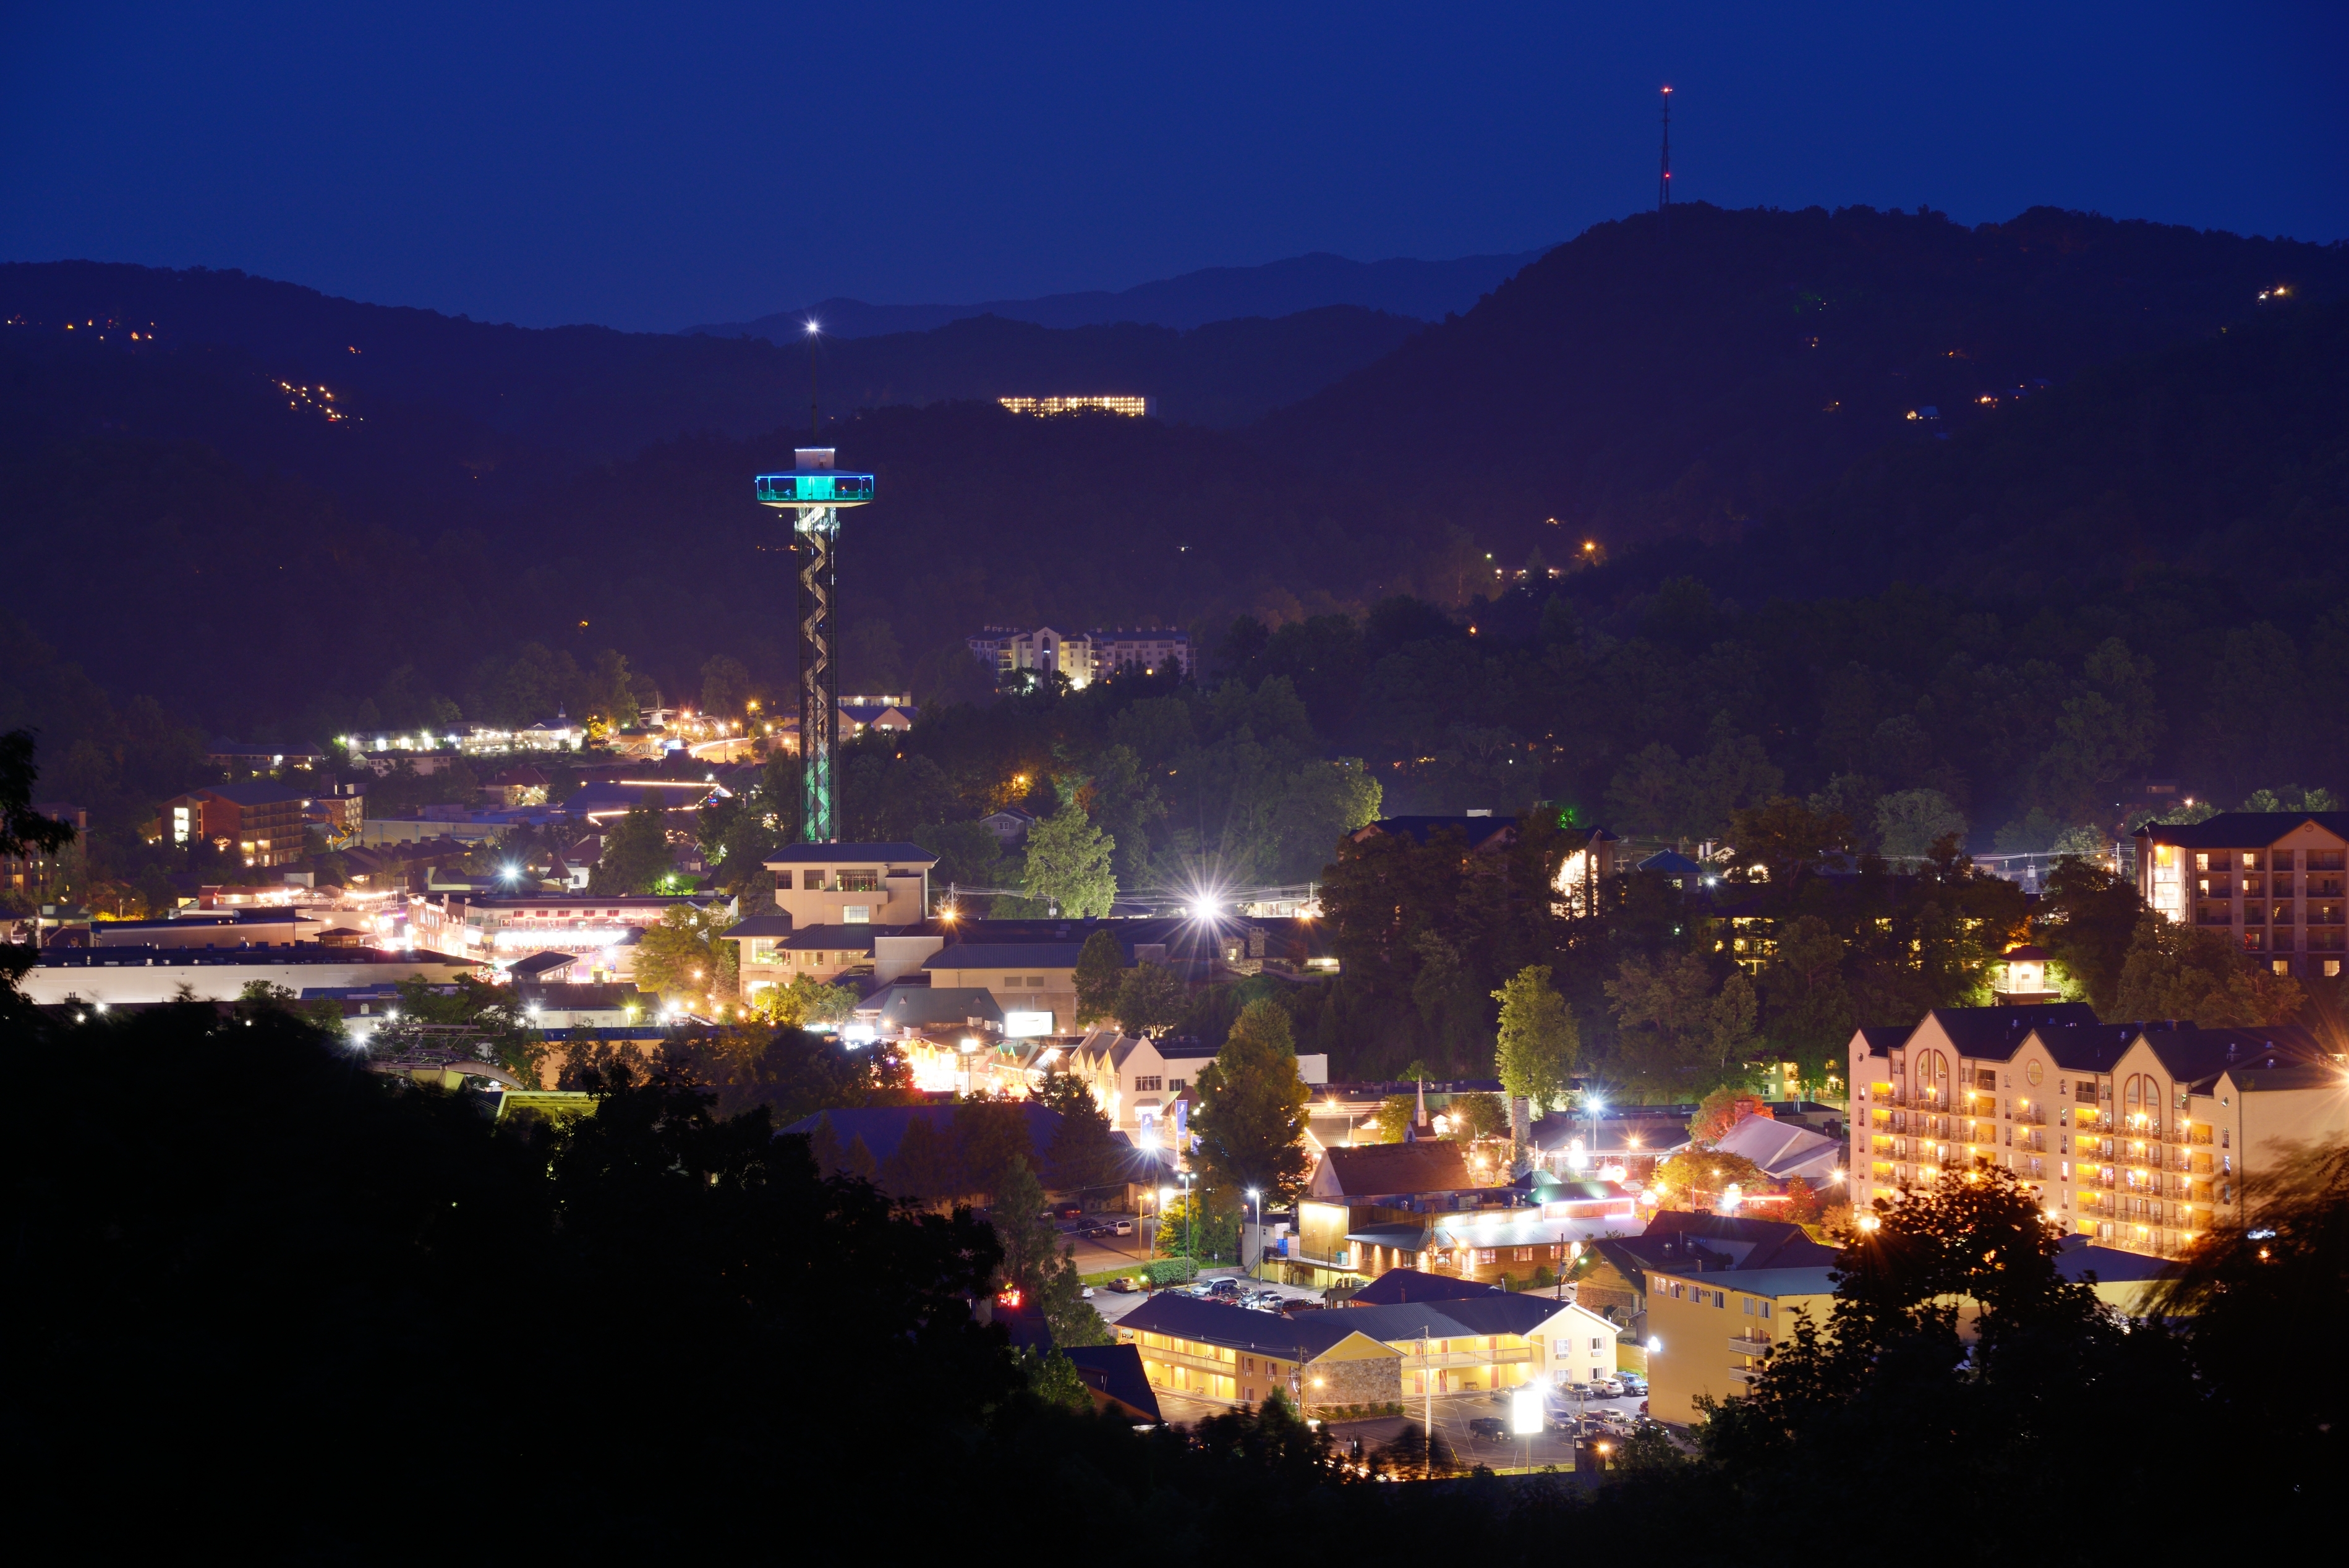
[2089,918]
[1251,1122]
[1470,1117]
[2246,1290]
[805,1003]
[2046,1367]
[1085,1152]
[1069,865]
[1151,999]
[1538,1041]
[724,686]
[1446,993]
[1907,822]
[2175,971]
[1392,1118]
[1808,1013]
[1101,972]
[686,955]
[1721,1109]
[1698,1178]
[1679,1032]
[1036,1261]
[1786,838]
[636,853]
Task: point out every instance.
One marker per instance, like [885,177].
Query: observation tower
[817,493]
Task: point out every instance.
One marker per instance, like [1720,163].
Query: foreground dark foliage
[259,1296]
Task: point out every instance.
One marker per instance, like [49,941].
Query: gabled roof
[1992,1034]
[1114,1373]
[1720,1241]
[255,792]
[1782,1150]
[1298,1338]
[2241,830]
[1670,862]
[1377,1169]
[851,854]
[1482,832]
[913,1007]
[776,924]
[1410,1284]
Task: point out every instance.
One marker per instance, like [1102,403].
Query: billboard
[1026,1025]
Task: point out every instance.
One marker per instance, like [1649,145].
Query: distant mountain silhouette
[1638,384]
[1425,290]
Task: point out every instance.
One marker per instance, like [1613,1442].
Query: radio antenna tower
[817,494]
[1664,178]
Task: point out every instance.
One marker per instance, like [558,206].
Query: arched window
[1933,1076]
[2141,1099]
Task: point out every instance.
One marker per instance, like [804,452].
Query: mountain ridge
[1401,286]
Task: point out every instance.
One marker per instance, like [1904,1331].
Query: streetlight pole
[1190,1221]
[1256,1271]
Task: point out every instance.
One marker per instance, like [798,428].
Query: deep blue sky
[652,165]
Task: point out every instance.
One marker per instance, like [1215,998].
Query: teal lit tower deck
[817,492]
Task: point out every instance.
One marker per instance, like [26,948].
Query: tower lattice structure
[817,493]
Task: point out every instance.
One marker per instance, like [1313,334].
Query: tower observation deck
[817,492]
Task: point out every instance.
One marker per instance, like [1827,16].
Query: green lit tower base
[817,493]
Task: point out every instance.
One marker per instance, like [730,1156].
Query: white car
[1125,1227]
[1608,1387]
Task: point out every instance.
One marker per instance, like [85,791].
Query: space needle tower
[817,493]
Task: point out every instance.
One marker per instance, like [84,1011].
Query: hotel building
[2270,881]
[2139,1136]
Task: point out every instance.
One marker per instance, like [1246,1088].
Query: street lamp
[1257,1199]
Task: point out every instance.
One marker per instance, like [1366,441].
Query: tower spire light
[1664,176]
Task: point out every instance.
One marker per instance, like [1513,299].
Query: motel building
[1376,1355]
[1707,1333]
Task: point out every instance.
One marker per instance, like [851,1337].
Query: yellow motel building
[1708,1332]
[1366,1355]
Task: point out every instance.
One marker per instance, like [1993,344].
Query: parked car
[1124,1227]
[1072,1211]
[1225,1287]
[1609,1388]
[1633,1383]
[1488,1428]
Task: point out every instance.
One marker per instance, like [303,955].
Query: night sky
[651,166]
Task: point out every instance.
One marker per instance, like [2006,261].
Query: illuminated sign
[823,487]
[1526,1412]
[1026,1025]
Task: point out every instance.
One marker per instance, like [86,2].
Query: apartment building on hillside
[1082,656]
[259,822]
[2273,882]
[2137,1136]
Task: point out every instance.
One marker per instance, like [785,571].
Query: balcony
[1740,1345]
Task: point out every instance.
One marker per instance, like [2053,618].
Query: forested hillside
[1998,615]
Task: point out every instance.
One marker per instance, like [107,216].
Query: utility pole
[1427,1388]
[1664,176]
[815,425]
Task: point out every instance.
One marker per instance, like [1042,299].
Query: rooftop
[851,854]
[2242,830]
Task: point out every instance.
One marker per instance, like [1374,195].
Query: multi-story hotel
[2271,881]
[2137,1135]
[1082,656]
